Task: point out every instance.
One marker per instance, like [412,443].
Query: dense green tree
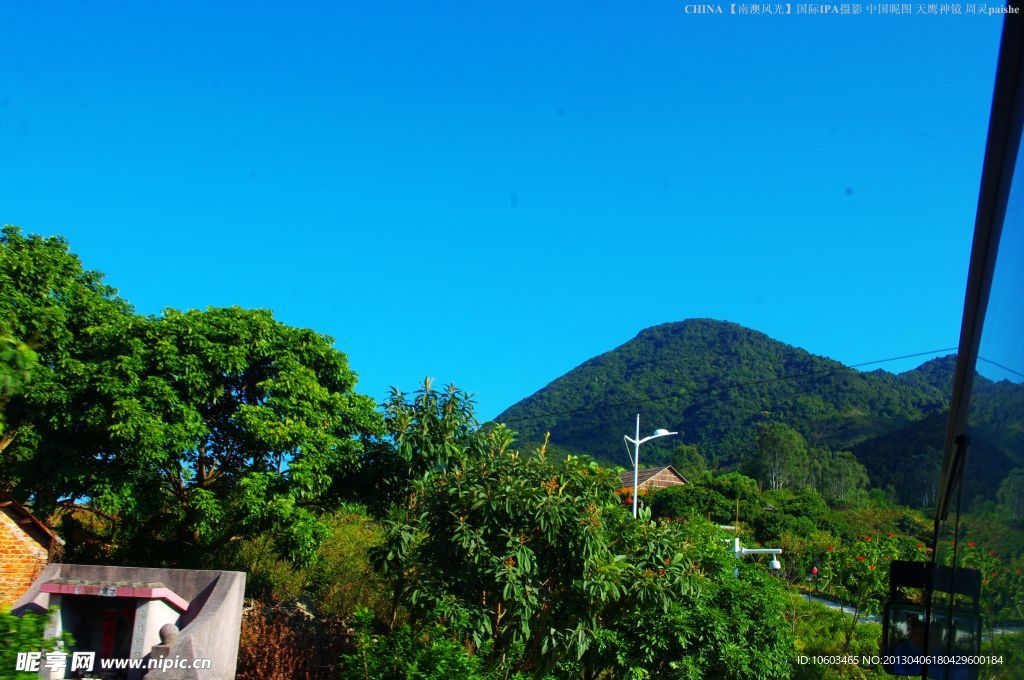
[226,424]
[52,316]
[838,475]
[1011,494]
[692,500]
[422,431]
[800,511]
[734,485]
[688,461]
[166,438]
[780,457]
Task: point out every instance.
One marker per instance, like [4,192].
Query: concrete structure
[145,613]
[652,479]
[26,547]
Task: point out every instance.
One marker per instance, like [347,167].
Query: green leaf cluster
[533,556]
[24,633]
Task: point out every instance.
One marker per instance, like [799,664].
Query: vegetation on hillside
[718,384]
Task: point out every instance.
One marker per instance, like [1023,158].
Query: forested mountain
[716,381]
[908,458]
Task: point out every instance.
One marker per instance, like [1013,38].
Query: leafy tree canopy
[780,456]
[50,311]
[178,433]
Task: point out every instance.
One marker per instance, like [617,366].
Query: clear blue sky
[492,193]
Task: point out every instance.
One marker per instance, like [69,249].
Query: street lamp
[660,432]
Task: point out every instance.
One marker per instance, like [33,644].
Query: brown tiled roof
[26,518]
[645,474]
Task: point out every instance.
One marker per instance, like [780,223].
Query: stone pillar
[150,617]
[168,634]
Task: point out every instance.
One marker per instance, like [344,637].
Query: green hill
[715,381]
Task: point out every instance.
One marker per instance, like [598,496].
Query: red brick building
[26,547]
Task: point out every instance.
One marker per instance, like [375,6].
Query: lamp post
[636,453]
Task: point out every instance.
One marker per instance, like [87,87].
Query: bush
[24,634]
[433,653]
[535,560]
[719,623]
[339,581]
[821,631]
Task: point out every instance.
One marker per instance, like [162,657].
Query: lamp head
[775,565]
[661,432]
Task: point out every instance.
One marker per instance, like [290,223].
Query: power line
[1005,368]
[721,388]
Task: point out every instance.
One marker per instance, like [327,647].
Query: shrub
[341,578]
[24,634]
[433,653]
[534,559]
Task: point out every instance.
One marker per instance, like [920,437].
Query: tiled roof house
[653,478]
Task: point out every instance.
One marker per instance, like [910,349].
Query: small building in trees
[652,479]
[26,546]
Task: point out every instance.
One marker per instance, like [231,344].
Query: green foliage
[432,653]
[425,432]
[514,544]
[16,363]
[801,512]
[715,382]
[677,502]
[780,457]
[338,582]
[857,573]
[688,461]
[25,634]
[726,626]
[838,475]
[1011,495]
[803,553]
[1010,646]
[180,433]
[821,631]
[534,557]
[237,428]
[53,315]
[713,498]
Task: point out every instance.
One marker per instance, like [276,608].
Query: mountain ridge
[714,382]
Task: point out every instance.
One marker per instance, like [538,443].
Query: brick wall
[22,558]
